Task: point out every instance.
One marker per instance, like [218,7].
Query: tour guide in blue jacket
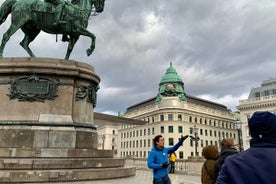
[158,159]
[256,165]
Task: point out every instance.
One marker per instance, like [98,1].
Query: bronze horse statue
[32,16]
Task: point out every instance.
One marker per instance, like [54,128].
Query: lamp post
[195,138]
[238,125]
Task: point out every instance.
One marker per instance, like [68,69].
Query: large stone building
[107,129]
[261,98]
[173,113]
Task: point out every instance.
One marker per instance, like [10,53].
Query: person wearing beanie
[211,154]
[258,163]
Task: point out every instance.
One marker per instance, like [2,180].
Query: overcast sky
[220,48]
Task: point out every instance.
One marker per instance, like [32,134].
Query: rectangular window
[180,129]
[170,117]
[190,119]
[162,129]
[152,131]
[161,117]
[257,94]
[148,131]
[210,132]
[170,129]
[145,132]
[179,117]
[171,142]
[181,155]
[206,132]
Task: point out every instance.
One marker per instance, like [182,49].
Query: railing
[263,98]
[187,166]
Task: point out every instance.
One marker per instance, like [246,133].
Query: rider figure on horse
[59,6]
[57,20]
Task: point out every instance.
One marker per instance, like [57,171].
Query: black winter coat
[225,152]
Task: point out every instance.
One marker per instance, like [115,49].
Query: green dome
[171,76]
[171,84]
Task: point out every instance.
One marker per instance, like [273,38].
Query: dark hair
[156,139]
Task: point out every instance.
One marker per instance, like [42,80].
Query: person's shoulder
[238,157]
[153,149]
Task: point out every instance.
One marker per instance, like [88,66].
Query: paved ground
[145,177]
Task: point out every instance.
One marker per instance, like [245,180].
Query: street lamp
[195,138]
[238,125]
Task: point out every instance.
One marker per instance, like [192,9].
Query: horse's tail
[5,9]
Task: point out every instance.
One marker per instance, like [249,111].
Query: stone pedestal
[46,122]
[47,103]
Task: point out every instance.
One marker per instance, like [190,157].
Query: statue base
[46,125]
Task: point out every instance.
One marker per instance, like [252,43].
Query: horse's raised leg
[72,42]
[6,36]
[85,32]
[30,35]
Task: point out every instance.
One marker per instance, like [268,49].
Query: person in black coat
[228,147]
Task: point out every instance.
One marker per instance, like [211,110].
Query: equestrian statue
[53,17]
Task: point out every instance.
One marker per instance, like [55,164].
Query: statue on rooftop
[53,17]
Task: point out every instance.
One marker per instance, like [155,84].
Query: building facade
[261,98]
[173,113]
[107,130]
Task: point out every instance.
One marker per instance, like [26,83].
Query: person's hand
[165,165]
[185,137]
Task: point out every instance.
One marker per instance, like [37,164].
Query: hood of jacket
[210,152]
[262,128]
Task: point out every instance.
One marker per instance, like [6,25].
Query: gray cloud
[221,49]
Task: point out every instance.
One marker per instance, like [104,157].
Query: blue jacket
[256,165]
[159,156]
